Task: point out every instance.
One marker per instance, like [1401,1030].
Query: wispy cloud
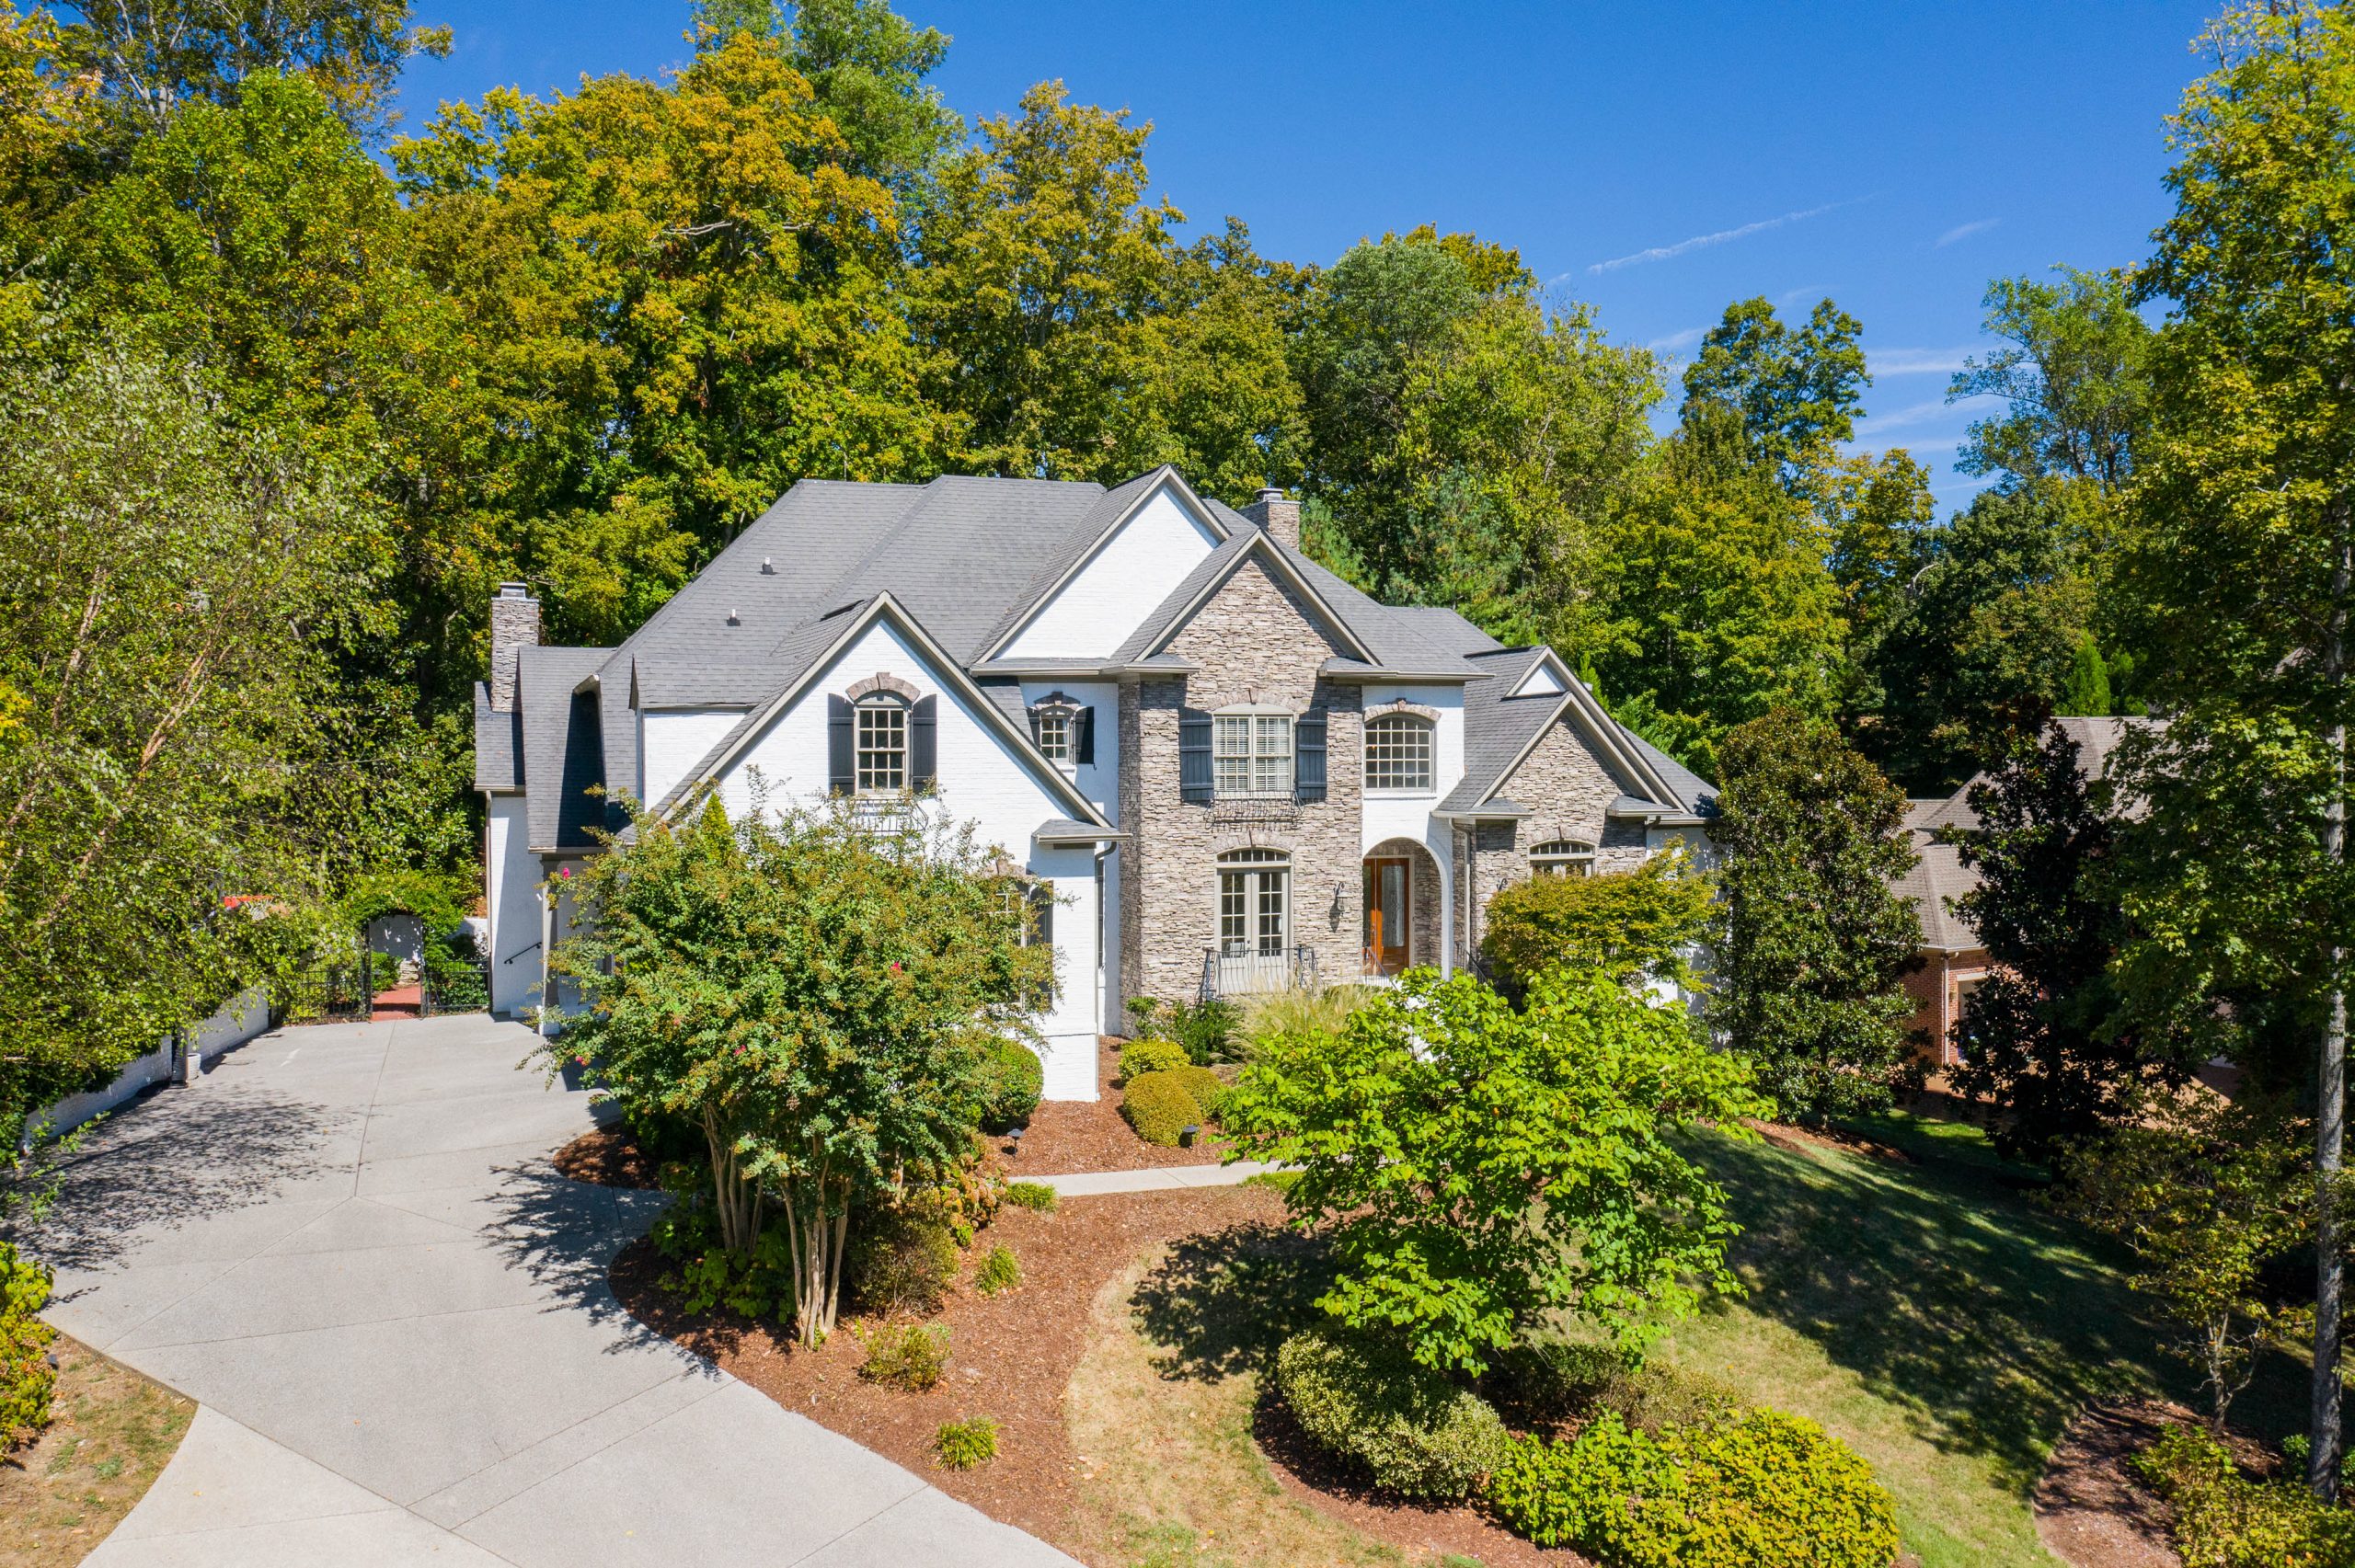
[1916,362]
[1675,340]
[1722,236]
[1937,411]
[1964,231]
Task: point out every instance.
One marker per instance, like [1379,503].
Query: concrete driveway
[347,1246]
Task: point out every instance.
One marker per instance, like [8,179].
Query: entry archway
[1400,924]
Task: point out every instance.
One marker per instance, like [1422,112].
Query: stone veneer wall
[1569,789]
[1255,641]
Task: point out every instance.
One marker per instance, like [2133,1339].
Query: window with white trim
[882,746]
[1251,753]
[1562,857]
[1254,903]
[1398,754]
[1054,733]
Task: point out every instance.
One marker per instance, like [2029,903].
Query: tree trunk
[2330,1077]
[736,1199]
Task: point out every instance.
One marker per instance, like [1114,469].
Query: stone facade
[1256,642]
[514,623]
[1570,790]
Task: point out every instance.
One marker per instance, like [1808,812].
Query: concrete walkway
[347,1246]
[1094,1183]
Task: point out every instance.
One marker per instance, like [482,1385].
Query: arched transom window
[1562,857]
[1398,754]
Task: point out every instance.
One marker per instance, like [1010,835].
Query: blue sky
[1655,160]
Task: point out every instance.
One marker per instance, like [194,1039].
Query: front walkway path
[347,1246]
[1156,1178]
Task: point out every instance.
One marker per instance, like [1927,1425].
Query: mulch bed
[1068,1138]
[1010,1357]
[2091,1511]
[1313,1476]
[606,1157]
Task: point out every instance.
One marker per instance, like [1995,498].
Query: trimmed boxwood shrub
[1139,1056]
[1207,1088]
[1764,1490]
[902,1262]
[1035,1196]
[962,1445]
[1419,1434]
[26,1380]
[2222,1519]
[1012,1079]
[1158,1105]
[906,1355]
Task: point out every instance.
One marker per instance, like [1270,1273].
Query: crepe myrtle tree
[815,988]
[1481,1169]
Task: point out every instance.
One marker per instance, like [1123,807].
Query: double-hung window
[882,746]
[1252,753]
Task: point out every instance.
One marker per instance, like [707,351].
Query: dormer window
[883,744]
[1063,729]
[1054,733]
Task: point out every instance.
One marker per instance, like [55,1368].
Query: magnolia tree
[1481,1167]
[817,991]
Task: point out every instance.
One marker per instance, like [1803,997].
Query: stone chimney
[1278,514]
[514,623]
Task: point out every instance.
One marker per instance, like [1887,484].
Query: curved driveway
[347,1246]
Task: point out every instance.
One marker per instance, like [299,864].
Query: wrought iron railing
[1255,973]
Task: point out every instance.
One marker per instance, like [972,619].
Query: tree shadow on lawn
[1223,1301]
[1989,1322]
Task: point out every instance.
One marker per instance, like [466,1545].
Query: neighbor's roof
[1938,877]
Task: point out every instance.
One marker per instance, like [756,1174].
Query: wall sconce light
[1334,914]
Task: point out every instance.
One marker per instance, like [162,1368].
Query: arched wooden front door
[1389,887]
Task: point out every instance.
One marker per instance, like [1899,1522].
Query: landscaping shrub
[1206,1087]
[1281,1012]
[961,1444]
[905,1355]
[1141,1056]
[1623,922]
[903,1262]
[1035,1196]
[1553,1381]
[757,1285]
[1764,1490]
[2222,1519]
[1206,1029]
[26,1380]
[999,1272]
[1158,1105]
[1419,1434]
[1012,1079]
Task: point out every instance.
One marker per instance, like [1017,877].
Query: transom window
[1054,733]
[1251,753]
[1254,903]
[882,746]
[1398,754]
[1562,857]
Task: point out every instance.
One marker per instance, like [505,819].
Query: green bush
[1141,1056]
[1419,1434]
[708,1275]
[26,1380]
[1207,1088]
[1158,1105]
[903,1262]
[1554,1380]
[1623,922]
[1012,1079]
[1280,1013]
[2222,1519]
[1206,1029]
[999,1271]
[905,1355]
[1035,1196]
[962,1445]
[1764,1490]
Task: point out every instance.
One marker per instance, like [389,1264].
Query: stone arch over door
[1422,896]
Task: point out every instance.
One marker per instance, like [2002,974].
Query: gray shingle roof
[562,743]
[499,744]
[1939,877]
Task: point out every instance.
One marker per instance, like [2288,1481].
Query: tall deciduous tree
[1815,940]
[2242,565]
[1793,392]
[866,65]
[816,993]
[2074,376]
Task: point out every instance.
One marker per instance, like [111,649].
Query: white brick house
[1235,771]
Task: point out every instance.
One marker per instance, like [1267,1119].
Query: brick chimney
[514,623]
[1278,514]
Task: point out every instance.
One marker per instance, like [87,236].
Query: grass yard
[112,1434]
[1932,1316]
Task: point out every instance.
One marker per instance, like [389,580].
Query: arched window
[882,744]
[1562,857]
[1254,903]
[1398,754]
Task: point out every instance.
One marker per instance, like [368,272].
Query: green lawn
[1933,1316]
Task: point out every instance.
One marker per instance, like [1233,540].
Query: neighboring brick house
[1954,960]
[1236,772]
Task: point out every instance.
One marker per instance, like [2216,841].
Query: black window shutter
[1043,903]
[1308,755]
[1083,740]
[1034,727]
[1193,756]
[841,774]
[924,746]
